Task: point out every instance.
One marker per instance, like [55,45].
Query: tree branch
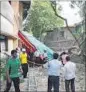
[66,24]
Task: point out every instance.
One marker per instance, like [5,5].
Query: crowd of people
[54,67]
[17,66]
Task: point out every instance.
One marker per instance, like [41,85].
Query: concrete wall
[59,34]
[67,34]
[7,11]
[20,15]
[6,26]
[6,18]
[18,18]
[60,39]
[10,45]
[15,7]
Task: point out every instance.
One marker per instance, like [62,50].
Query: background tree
[41,18]
[81,29]
[79,33]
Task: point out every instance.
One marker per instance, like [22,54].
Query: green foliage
[41,18]
[79,33]
[2,67]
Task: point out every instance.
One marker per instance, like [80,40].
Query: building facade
[11,22]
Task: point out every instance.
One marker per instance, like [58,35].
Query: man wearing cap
[24,62]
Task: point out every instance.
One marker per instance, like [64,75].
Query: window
[3,43]
[62,33]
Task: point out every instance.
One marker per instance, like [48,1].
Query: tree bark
[85,46]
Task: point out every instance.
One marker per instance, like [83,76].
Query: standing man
[24,62]
[54,67]
[13,69]
[69,73]
[31,58]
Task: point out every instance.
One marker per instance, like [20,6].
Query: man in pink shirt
[63,57]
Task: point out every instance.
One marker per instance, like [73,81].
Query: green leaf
[41,18]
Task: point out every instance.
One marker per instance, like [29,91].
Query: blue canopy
[39,45]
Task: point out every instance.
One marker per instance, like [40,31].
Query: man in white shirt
[54,67]
[69,73]
[37,56]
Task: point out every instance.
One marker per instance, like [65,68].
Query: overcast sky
[70,14]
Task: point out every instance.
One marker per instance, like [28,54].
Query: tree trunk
[54,8]
[85,42]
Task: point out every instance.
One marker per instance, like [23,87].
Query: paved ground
[37,80]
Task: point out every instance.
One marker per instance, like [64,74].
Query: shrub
[2,67]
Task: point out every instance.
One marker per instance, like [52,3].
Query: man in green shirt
[13,72]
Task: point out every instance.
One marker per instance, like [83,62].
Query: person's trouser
[31,63]
[16,82]
[25,70]
[68,83]
[53,81]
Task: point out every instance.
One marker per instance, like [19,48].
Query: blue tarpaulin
[39,45]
